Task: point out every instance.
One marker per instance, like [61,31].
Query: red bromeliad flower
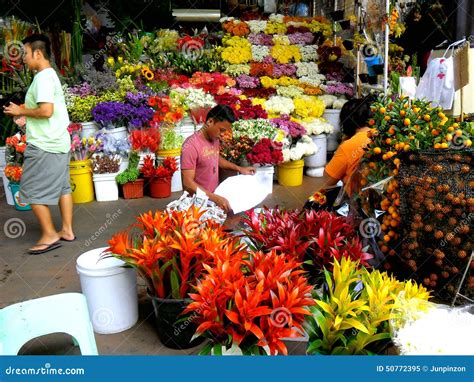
[154,168]
[142,140]
[252,302]
[313,236]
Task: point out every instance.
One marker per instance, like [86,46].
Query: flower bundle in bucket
[159,173]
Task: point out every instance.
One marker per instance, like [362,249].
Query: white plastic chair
[60,313]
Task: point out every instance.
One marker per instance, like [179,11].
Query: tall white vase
[89,129]
[316,162]
[332,116]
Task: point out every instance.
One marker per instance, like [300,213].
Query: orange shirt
[347,157]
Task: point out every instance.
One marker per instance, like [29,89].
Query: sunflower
[149,75]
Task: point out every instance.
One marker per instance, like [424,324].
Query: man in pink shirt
[200,159]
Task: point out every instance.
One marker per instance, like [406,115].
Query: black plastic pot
[337,15]
[174,329]
[373,80]
[364,77]
[345,24]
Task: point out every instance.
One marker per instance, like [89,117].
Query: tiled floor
[24,277]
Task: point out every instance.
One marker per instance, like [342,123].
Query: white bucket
[6,189]
[89,129]
[318,159]
[118,133]
[265,177]
[332,116]
[123,165]
[3,161]
[186,130]
[176,183]
[105,187]
[110,290]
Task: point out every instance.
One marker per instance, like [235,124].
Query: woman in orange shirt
[354,116]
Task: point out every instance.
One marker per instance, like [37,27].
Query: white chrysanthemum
[309,52]
[259,52]
[276,18]
[279,105]
[257,26]
[318,126]
[313,81]
[224,19]
[289,91]
[199,98]
[328,99]
[339,103]
[307,69]
[286,155]
[297,152]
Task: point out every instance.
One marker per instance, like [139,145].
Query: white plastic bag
[407,87]
[437,84]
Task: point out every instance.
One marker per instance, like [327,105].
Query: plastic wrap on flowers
[415,326]
[437,209]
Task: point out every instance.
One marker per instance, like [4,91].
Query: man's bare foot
[66,235]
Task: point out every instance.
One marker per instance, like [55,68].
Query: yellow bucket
[169,153]
[291,173]
[81,181]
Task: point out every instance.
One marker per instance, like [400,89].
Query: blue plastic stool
[60,313]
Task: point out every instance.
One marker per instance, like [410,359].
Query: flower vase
[133,190]
[81,181]
[332,116]
[118,133]
[160,187]
[291,173]
[105,187]
[19,205]
[317,161]
[89,129]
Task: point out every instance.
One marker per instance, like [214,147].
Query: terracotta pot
[160,187]
[133,190]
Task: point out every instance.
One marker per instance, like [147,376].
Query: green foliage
[81,108]
[7,128]
[132,173]
[170,140]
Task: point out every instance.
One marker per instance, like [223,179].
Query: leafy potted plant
[132,186]
[353,316]
[159,173]
[251,302]
[171,251]
[105,169]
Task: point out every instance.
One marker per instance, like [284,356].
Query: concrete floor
[24,277]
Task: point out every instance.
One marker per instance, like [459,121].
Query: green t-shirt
[48,134]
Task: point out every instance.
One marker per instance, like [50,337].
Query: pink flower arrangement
[280,70]
[291,128]
[247,82]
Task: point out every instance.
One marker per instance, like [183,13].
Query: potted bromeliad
[105,169]
[248,303]
[171,252]
[132,186]
[158,173]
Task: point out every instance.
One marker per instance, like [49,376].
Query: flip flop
[49,247]
[63,239]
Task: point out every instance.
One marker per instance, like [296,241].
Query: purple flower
[82,90]
[260,39]
[291,128]
[340,89]
[301,38]
[137,99]
[247,82]
[284,70]
[118,113]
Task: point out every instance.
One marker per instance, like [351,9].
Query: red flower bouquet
[213,83]
[165,111]
[13,173]
[154,168]
[189,42]
[142,140]
[266,152]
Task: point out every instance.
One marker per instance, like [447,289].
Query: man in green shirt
[45,179]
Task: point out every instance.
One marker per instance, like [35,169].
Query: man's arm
[226,165]
[44,110]
[190,185]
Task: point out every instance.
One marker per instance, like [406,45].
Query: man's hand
[221,202]
[246,170]
[13,110]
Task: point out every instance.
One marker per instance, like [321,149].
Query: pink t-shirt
[202,156]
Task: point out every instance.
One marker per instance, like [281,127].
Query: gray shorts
[45,176]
